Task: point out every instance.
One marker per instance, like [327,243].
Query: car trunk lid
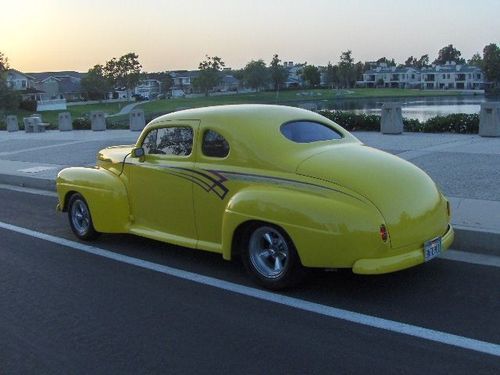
[409,201]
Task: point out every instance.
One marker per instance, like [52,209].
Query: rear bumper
[398,262]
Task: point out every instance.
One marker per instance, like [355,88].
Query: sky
[54,35]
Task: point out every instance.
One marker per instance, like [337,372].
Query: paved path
[126,110]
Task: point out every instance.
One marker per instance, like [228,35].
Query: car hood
[407,198]
[112,158]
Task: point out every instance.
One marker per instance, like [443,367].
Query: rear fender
[328,229]
[104,192]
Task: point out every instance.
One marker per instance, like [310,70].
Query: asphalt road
[67,311]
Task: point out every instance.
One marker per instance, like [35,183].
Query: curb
[482,241]
[28,182]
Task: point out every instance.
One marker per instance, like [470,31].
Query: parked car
[284,188]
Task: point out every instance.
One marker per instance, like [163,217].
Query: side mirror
[138,152]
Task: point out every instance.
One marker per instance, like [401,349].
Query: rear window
[308,131]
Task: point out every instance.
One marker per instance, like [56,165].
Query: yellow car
[284,188]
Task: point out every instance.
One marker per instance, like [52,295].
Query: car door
[211,192]
[160,184]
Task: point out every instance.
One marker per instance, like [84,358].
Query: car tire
[80,219]
[270,257]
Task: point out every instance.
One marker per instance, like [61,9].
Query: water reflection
[417,108]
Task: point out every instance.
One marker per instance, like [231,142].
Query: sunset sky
[51,35]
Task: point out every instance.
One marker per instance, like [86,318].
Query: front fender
[104,192]
[328,229]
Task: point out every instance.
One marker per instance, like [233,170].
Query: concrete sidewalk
[466,167]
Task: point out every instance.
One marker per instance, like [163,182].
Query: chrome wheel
[80,217]
[268,252]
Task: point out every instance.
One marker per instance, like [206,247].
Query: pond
[416,108]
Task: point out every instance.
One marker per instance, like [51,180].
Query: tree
[346,70]
[476,60]
[331,76]
[167,83]
[423,62]
[449,53]
[124,72]
[9,99]
[411,62]
[358,70]
[385,60]
[491,63]
[255,74]
[209,75]
[311,75]
[94,84]
[4,63]
[279,74]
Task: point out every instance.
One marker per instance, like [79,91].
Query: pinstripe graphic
[213,180]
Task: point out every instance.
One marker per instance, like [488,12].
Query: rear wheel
[270,257]
[80,219]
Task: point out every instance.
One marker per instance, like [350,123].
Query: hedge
[455,123]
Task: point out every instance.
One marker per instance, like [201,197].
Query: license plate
[432,248]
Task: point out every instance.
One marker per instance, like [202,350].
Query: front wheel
[80,219]
[270,257]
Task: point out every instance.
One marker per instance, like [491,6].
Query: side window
[149,144]
[176,140]
[214,145]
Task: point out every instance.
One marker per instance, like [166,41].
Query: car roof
[241,115]
[253,132]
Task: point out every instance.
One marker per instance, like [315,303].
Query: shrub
[28,105]
[81,123]
[455,123]
[352,121]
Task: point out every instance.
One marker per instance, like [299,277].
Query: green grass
[267,97]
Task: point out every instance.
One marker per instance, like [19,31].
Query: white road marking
[21,189]
[350,316]
[473,258]
[36,169]
[38,148]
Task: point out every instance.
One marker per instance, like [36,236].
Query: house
[449,76]
[148,88]
[60,85]
[183,80]
[453,76]
[391,76]
[19,81]
[228,83]
[294,78]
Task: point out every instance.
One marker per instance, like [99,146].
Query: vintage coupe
[284,188]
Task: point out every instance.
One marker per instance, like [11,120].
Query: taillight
[383,233]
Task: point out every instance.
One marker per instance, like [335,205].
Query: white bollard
[65,122]
[137,120]
[391,121]
[12,123]
[489,120]
[97,121]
